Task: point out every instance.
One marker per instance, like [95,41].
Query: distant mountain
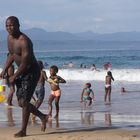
[44,40]
[40,34]
[119,36]
[89,35]
[43,35]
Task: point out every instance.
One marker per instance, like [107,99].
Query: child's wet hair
[55,68]
[40,63]
[88,84]
[109,73]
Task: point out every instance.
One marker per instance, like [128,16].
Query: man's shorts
[26,85]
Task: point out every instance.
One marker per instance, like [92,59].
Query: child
[10,72]
[40,89]
[108,80]
[11,86]
[54,81]
[85,96]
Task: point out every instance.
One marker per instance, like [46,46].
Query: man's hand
[12,79]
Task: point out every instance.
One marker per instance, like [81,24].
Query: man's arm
[8,63]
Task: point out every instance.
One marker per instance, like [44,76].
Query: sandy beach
[34,133]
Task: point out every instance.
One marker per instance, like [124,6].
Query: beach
[64,134]
[88,55]
[118,120]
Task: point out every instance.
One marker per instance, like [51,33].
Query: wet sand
[34,133]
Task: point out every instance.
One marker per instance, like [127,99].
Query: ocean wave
[130,75]
[69,58]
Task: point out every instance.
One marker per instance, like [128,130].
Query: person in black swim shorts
[27,74]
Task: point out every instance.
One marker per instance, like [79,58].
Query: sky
[99,16]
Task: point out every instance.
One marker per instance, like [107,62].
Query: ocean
[124,110]
[125,63]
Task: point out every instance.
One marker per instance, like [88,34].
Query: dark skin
[108,80]
[10,72]
[43,77]
[55,87]
[84,93]
[21,52]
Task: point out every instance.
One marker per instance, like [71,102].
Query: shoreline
[34,133]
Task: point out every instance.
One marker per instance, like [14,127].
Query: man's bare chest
[15,47]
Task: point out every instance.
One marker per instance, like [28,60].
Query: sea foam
[130,75]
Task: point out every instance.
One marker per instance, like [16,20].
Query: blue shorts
[40,92]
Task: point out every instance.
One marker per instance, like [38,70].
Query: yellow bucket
[2,98]
[2,88]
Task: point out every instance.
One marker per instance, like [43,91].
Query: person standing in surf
[108,88]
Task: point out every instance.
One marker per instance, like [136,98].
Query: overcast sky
[100,16]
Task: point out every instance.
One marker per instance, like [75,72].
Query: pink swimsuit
[56,93]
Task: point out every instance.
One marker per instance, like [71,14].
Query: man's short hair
[14,19]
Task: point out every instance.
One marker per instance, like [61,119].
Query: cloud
[98,19]
[32,24]
[74,15]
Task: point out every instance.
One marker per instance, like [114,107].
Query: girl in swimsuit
[108,80]
[54,81]
[85,96]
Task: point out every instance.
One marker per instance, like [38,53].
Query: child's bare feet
[33,118]
[50,117]
[20,134]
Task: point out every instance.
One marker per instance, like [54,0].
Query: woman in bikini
[108,80]
[54,81]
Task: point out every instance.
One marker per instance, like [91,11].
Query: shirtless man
[108,79]
[26,77]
